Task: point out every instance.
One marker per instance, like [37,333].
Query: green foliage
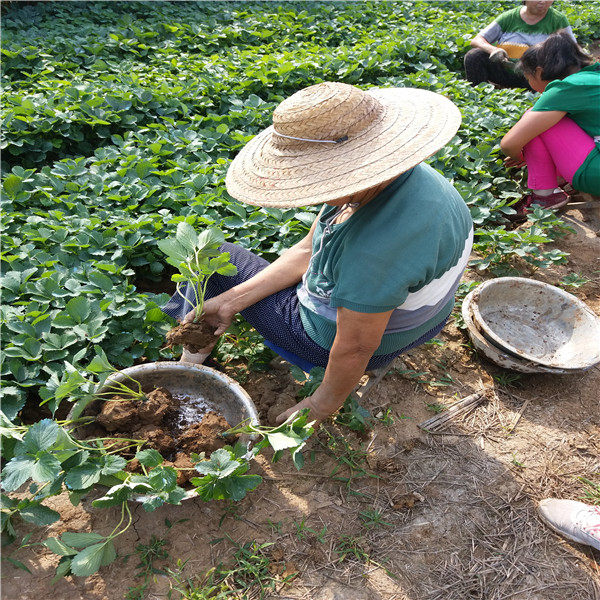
[573,280]
[148,554]
[225,475]
[353,415]
[291,435]
[196,257]
[591,490]
[119,120]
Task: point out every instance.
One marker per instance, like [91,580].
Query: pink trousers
[560,150]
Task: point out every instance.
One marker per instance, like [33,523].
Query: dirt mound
[153,420]
[206,435]
[184,466]
[193,336]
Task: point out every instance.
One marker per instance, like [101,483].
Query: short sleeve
[563,96]
[492,32]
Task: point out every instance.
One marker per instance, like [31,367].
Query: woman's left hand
[316,414]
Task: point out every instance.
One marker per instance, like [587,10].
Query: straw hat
[332,140]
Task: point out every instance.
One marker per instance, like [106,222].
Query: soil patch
[206,435]
[173,428]
[193,336]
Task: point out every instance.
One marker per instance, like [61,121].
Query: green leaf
[39,515]
[113,464]
[220,464]
[83,476]
[41,436]
[186,235]
[12,185]
[163,478]
[174,250]
[210,238]
[281,440]
[63,568]
[17,472]
[13,400]
[149,458]
[79,539]
[228,269]
[240,485]
[31,349]
[90,559]
[78,309]
[17,563]
[46,468]
[100,364]
[58,547]
[102,281]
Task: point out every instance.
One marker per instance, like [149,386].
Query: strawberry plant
[197,257]
[53,460]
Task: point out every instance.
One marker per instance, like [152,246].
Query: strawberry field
[119,120]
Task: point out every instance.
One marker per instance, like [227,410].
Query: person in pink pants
[560,135]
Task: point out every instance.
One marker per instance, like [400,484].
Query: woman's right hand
[499,55]
[514,162]
[216,313]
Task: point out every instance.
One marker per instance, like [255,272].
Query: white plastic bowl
[537,322]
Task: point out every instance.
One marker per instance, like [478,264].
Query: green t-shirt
[404,250]
[579,96]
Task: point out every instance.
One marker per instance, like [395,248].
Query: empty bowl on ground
[537,322]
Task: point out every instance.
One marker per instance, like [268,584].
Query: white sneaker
[577,521]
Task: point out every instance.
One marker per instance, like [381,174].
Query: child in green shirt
[560,135]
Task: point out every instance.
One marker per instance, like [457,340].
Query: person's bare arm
[480,42]
[358,336]
[287,270]
[530,125]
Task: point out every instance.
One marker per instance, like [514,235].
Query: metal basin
[194,386]
[537,322]
[198,389]
[497,355]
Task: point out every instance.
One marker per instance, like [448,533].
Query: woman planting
[560,135]
[377,272]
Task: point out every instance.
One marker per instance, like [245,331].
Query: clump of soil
[154,419]
[206,435]
[184,466]
[119,414]
[193,336]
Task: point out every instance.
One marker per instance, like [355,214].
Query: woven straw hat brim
[414,125]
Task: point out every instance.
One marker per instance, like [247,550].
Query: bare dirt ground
[457,509]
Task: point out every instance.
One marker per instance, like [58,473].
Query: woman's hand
[358,336]
[499,55]
[216,313]
[316,414]
[515,162]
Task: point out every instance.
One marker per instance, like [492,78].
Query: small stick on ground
[519,415]
[459,408]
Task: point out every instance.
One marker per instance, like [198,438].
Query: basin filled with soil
[186,410]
